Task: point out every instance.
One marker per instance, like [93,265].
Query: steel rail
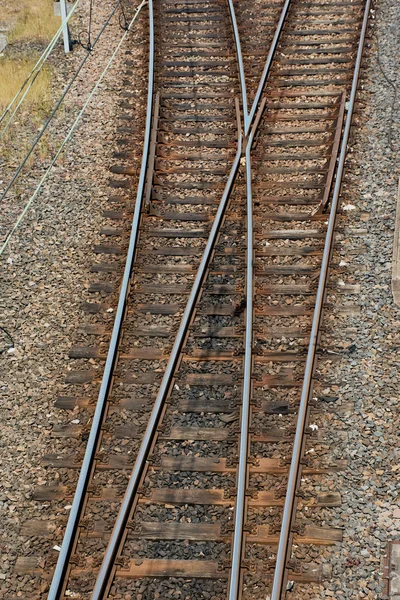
[250,130]
[136,475]
[284,545]
[165,386]
[267,66]
[88,460]
[239,58]
[237,543]
[248,117]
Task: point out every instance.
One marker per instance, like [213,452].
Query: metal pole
[67,43]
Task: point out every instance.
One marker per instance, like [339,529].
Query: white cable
[38,67]
[68,136]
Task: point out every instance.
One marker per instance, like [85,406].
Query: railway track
[191,484]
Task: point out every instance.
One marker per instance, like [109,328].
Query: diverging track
[193,469]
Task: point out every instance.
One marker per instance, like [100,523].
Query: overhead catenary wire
[88,46]
[123,14]
[90,25]
[38,66]
[57,106]
[68,136]
[10,340]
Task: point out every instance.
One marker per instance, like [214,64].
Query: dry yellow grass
[33,20]
[13,73]
[9,12]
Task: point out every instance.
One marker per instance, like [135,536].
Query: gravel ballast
[44,276]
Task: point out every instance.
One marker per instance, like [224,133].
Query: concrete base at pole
[3,41]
